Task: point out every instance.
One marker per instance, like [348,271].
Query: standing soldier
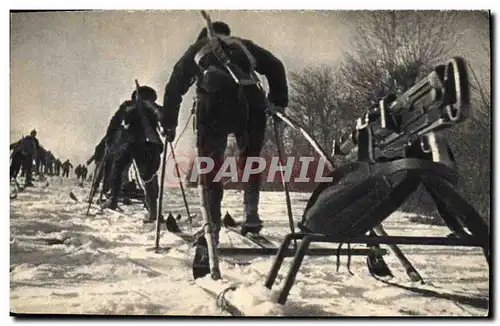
[57,167]
[24,152]
[65,167]
[84,172]
[229,100]
[49,167]
[225,106]
[78,172]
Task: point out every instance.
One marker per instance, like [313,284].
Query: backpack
[225,62]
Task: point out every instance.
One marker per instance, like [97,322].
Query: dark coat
[126,123]
[186,72]
[28,145]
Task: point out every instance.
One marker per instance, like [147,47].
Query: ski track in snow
[101,264]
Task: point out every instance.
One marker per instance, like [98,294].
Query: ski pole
[140,182]
[182,188]
[283,181]
[97,175]
[160,199]
[208,226]
[94,186]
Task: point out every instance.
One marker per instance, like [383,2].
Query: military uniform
[224,107]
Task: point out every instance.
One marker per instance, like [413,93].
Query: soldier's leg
[28,167]
[106,172]
[250,144]
[212,146]
[211,143]
[148,159]
[15,166]
[120,161]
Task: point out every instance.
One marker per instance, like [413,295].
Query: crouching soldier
[132,135]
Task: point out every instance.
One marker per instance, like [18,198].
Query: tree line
[392,50]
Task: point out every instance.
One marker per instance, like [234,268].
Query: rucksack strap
[233,70]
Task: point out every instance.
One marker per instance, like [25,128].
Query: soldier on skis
[132,135]
[40,161]
[225,107]
[103,162]
[66,166]
[24,152]
[49,163]
[57,167]
[85,171]
[78,172]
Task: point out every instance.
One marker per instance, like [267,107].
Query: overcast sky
[71,70]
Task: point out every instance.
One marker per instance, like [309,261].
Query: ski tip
[228,220]
[171,223]
[126,201]
[201,264]
[158,250]
[378,267]
[415,277]
[72,196]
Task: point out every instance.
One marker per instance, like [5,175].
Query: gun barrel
[438,101]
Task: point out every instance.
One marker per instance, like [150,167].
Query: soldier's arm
[14,144]
[154,109]
[91,159]
[274,70]
[182,78]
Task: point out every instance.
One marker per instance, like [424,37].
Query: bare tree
[319,102]
[394,48]
[392,51]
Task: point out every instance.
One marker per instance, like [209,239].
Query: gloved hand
[276,108]
[279,109]
[169,134]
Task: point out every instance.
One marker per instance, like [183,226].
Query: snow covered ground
[103,265]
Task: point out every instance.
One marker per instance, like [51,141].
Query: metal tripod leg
[294,269]
[278,261]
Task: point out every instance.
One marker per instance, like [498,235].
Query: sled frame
[463,239]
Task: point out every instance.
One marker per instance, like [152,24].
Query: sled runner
[264,247]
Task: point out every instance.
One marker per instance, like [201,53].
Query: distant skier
[40,161]
[224,107]
[57,167]
[78,172]
[66,166]
[130,137]
[24,152]
[49,163]
[84,172]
